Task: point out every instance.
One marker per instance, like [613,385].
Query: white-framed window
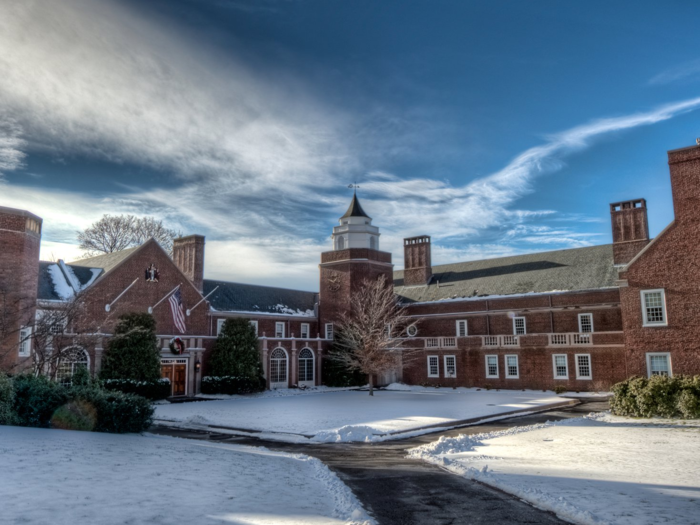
[304,330]
[462,328]
[450,366]
[659,364]
[519,326]
[512,368]
[491,366]
[25,341]
[585,323]
[583,366]
[654,307]
[219,325]
[254,324]
[560,363]
[387,331]
[279,330]
[329,330]
[412,330]
[433,366]
[71,360]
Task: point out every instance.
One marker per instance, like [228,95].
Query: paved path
[397,490]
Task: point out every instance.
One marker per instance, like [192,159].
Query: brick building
[582,318]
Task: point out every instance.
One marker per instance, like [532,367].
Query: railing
[441,342]
[572,339]
[497,341]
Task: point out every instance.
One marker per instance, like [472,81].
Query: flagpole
[108,307]
[151,308]
[200,302]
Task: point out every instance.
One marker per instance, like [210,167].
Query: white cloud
[11,145]
[685,71]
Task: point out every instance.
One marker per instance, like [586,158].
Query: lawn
[352,415]
[592,470]
[64,477]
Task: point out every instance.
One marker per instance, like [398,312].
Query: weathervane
[354,187]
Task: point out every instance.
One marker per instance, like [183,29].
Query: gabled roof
[355,210]
[60,281]
[108,261]
[237,297]
[562,270]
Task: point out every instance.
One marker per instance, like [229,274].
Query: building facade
[581,318]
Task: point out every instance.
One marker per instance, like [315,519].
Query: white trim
[412,330]
[301,330]
[578,367]
[580,324]
[172,361]
[459,324]
[454,359]
[554,366]
[517,367]
[486,360]
[254,325]
[329,331]
[219,325]
[437,366]
[667,355]
[25,342]
[647,323]
[515,328]
[309,382]
[279,329]
[285,383]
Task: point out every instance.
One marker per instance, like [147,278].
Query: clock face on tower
[333,281]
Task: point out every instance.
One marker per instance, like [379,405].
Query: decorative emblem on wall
[334,281]
[152,274]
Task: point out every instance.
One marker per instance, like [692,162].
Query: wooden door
[166,372]
[180,380]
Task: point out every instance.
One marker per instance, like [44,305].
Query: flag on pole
[175,301]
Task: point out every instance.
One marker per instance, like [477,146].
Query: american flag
[175,301]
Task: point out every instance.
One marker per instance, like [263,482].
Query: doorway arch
[306,368]
[278,368]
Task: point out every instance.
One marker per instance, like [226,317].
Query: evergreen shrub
[657,396]
[335,374]
[153,390]
[7,399]
[36,400]
[117,412]
[75,415]
[559,389]
[133,352]
[232,385]
[236,353]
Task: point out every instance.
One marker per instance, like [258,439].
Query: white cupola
[355,229]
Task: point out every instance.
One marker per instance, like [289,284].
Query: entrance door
[175,371]
[278,369]
[306,368]
[179,380]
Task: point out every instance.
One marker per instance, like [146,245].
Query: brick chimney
[418,269]
[630,229]
[684,165]
[188,255]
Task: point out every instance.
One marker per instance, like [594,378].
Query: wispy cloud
[11,146]
[686,71]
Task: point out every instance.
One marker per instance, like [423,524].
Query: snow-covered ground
[64,477]
[352,415]
[592,470]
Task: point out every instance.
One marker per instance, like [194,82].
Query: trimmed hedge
[117,412]
[335,374]
[657,396]
[153,390]
[7,400]
[231,385]
[36,399]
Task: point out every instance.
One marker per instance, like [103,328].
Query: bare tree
[113,233]
[371,332]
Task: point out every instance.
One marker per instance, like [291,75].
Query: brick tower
[418,268]
[355,258]
[630,230]
[20,239]
[188,255]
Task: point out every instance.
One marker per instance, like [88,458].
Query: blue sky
[495,127]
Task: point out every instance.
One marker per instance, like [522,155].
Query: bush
[236,352]
[559,389]
[116,412]
[153,390]
[231,385]
[75,415]
[36,400]
[658,396]
[133,351]
[7,399]
[335,374]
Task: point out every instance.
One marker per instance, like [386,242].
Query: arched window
[306,367]
[341,243]
[373,243]
[278,368]
[71,360]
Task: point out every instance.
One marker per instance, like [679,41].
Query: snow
[60,285]
[351,415]
[487,297]
[591,470]
[283,392]
[64,477]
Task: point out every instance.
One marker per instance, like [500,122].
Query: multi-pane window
[462,328]
[25,341]
[254,324]
[519,325]
[561,366]
[433,366]
[306,365]
[279,329]
[304,331]
[491,366]
[71,360]
[450,366]
[512,371]
[659,364]
[585,323]
[654,308]
[329,330]
[219,325]
[583,366]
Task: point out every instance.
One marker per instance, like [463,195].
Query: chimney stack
[418,268]
[684,165]
[630,230]
[188,255]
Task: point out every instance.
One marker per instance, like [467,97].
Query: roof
[237,297]
[355,210]
[108,261]
[60,281]
[562,270]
